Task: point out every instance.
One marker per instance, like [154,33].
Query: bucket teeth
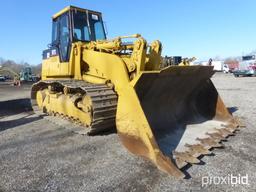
[231,127]
[209,142]
[185,157]
[197,149]
[224,131]
[180,163]
[217,136]
[240,124]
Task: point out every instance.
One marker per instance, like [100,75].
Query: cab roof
[66,9]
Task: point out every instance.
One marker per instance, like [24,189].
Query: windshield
[82,32]
[81,29]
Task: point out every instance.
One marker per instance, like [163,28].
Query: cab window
[97,28]
[81,29]
[54,31]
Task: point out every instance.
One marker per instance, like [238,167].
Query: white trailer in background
[217,65]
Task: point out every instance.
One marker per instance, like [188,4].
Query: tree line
[18,66]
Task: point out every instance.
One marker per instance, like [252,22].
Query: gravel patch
[38,155]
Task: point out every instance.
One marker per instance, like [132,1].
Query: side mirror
[53,44]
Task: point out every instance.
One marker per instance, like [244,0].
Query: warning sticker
[95,17]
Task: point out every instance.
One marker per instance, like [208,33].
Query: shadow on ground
[15,107]
[4,125]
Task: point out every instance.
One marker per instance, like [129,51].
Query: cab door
[56,58]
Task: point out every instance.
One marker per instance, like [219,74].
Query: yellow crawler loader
[187,61]
[170,116]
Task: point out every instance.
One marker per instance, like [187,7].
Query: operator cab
[70,25]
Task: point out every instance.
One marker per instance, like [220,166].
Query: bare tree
[17,67]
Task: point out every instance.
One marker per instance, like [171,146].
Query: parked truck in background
[247,67]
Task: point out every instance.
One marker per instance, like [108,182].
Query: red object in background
[252,67]
[232,64]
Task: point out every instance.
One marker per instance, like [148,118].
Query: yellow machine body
[170,116]
[187,61]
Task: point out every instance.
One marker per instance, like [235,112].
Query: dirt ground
[39,155]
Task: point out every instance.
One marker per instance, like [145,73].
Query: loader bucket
[173,116]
